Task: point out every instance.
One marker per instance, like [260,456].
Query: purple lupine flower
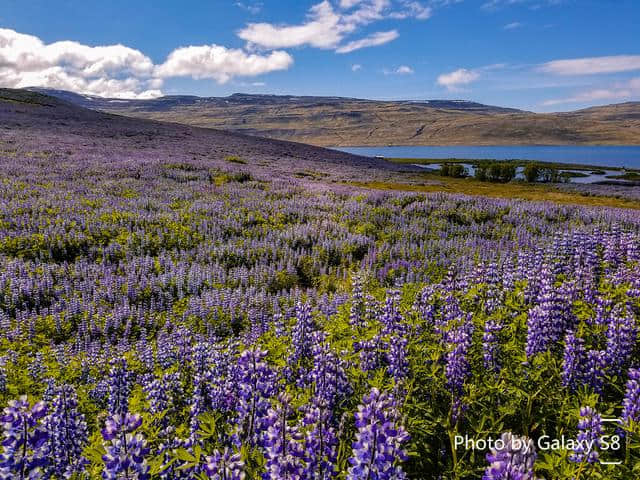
[379,441]
[320,442]
[631,402]
[255,384]
[595,369]
[397,358]
[603,311]
[589,437]
[282,444]
[549,320]
[200,398]
[513,461]
[220,378]
[199,402]
[301,334]
[120,383]
[572,364]
[157,395]
[125,451]
[100,392]
[224,466]
[356,313]
[49,390]
[328,373]
[68,434]
[457,368]
[582,367]
[491,346]
[370,353]
[391,318]
[173,469]
[3,376]
[165,352]
[425,305]
[24,445]
[371,308]
[622,334]
[37,368]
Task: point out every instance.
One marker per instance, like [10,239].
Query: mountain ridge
[342,121]
[96,101]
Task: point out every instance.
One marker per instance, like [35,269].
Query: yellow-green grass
[524,191]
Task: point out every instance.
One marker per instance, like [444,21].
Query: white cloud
[356,67]
[453,80]
[368,11]
[252,8]
[412,9]
[327,26]
[619,91]
[347,4]
[113,70]
[252,84]
[323,29]
[404,70]
[593,65]
[512,26]
[220,63]
[373,40]
[119,71]
[401,70]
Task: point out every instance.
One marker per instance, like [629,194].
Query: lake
[606,156]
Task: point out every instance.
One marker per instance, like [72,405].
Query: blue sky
[540,55]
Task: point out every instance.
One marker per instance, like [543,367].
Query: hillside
[335,121]
[30,121]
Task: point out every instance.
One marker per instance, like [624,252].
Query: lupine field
[171,311]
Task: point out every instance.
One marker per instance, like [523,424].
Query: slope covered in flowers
[168,312]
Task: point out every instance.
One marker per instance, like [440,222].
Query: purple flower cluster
[320,442]
[224,465]
[391,319]
[256,385]
[513,461]
[120,383]
[491,345]
[126,452]
[589,437]
[140,241]
[397,358]
[356,313]
[370,353]
[24,444]
[550,318]
[301,334]
[631,402]
[458,368]
[581,367]
[67,434]
[380,437]
[622,336]
[328,373]
[282,444]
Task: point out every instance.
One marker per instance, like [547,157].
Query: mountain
[29,120]
[337,121]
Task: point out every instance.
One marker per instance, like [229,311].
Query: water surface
[606,156]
